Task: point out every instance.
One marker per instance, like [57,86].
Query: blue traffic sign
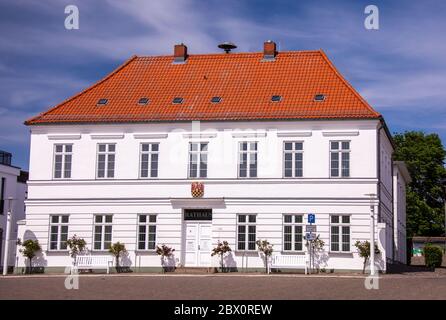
[311,218]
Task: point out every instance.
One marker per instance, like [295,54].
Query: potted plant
[77,246]
[267,249]
[364,251]
[221,249]
[29,250]
[166,253]
[116,249]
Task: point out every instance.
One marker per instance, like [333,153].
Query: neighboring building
[12,185]
[271,136]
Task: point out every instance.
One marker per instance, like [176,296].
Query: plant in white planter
[166,253]
[221,249]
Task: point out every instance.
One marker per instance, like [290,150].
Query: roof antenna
[227,46]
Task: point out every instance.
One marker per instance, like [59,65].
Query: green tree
[117,249]
[364,251]
[424,156]
[267,249]
[29,249]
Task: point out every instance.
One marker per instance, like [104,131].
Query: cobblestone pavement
[422,285]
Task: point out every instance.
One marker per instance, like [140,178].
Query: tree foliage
[77,245]
[117,249]
[29,249]
[424,156]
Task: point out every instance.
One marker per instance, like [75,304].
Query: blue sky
[400,69]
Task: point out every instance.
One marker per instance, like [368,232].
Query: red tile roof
[243,81]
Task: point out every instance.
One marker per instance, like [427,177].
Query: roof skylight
[276,98]
[216,99]
[319,97]
[102,102]
[143,101]
[177,100]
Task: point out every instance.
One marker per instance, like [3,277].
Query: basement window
[143,101]
[276,98]
[319,97]
[102,102]
[177,100]
[216,99]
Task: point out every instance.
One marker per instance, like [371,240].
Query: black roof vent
[102,102]
[227,46]
[216,99]
[143,101]
[319,97]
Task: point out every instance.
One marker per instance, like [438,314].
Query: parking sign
[311,218]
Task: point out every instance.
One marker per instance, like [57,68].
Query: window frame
[63,154]
[106,153]
[150,152]
[59,224]
[102,224]
[198,153]
[248,162]
[247,224]
[147,224]
[339,225]
[293,224]
[293,165]
[340,151]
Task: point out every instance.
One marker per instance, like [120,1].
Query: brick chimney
[180,53]
[269,50]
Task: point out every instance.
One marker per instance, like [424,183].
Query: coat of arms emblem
[197,189]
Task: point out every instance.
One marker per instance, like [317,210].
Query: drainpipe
[7,236]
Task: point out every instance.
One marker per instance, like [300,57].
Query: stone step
[195,270]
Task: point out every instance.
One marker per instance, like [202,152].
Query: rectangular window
[293,159]
[106,160]
[247,160]
[340,233]
[58,232]
[292,232]
[339,158]
[149,160]
[246,232]
[146,231]
[63,154]
[198,160]
[2,195]
[102,231]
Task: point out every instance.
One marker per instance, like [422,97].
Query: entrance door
[198,244]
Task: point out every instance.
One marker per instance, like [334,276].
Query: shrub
[117,249]
[266,248]
[29,250]
[364,251]
[221,249]
[77,246]
[433,256]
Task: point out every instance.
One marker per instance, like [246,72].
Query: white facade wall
[269,196]
[400,181]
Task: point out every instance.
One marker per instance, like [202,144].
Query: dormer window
[177,100]
[143,101]
[102,102]
[216,99]
[319,97]
[276,98]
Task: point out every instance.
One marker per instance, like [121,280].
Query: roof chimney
[269,50]
[180,53]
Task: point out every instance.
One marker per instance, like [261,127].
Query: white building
[273,137]
[13,191]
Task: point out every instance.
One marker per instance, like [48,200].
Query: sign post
[310,235]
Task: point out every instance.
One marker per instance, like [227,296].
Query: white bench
[92,262]
[288,262]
